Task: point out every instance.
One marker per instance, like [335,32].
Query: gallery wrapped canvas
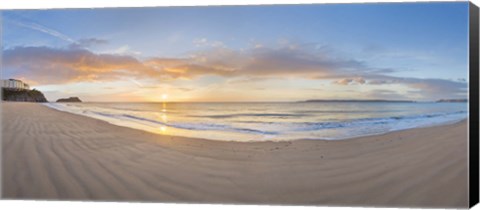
[370,104]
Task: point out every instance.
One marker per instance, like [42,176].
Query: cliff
[23,95]
[71,99]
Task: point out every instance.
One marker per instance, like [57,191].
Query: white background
[44,4]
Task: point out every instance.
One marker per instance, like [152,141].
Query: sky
[396,51]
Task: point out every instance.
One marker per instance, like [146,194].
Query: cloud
[438,88]
[351,81]
[204,42]
[123,50]
[344,81]
[200,42]
[56,66]
[286,60]
[47,65]
[435,88]
[298,61]
[88,42]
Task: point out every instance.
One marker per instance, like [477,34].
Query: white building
[14,84]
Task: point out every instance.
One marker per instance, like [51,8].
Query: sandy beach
[53,155]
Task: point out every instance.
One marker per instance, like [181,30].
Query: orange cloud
[46,65]
[56,66]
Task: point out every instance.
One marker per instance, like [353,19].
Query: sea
[271,121]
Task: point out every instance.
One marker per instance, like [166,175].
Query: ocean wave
[268,123]
[184,125]
[250,115]
[389,123]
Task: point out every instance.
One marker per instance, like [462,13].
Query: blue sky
[409,51]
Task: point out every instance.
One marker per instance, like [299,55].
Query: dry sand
[48,154]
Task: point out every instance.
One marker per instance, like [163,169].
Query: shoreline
[286,140]
[54,155]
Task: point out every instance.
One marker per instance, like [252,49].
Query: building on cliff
[14,84]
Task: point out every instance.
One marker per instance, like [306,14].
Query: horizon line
[296,101]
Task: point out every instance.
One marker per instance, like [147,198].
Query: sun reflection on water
[163,128]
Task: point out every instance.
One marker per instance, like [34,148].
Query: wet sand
[53,155]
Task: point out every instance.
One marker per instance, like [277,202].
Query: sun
[164,96]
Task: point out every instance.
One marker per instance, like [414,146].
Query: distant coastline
[380,100]
[355,100]
[452,101]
